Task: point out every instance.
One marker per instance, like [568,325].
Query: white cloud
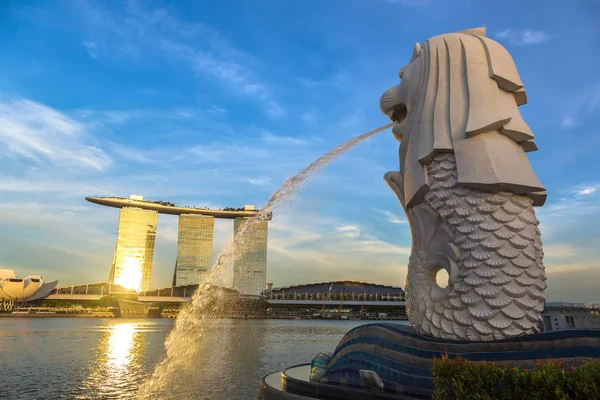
[271,138]
[576,201]
[524,36]
[586,191]
[309,118]
[584,104]
[275,110]
[305,247]
[349,231]
[391,217]
[91,48]
[503,34]
[237,77]
[9,184]
[580,191]
[568,122]
[263,180]
[136,29]
[41,134]
[559,251]
[533,37]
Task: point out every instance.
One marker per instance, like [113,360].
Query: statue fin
[481,31]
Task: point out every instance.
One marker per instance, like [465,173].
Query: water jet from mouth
[183,344]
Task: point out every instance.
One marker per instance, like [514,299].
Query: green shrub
[459,379]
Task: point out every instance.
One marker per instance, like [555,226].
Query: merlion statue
[468,190]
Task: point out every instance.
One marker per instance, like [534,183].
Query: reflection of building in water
[194,249]
[132,263]
[250,268]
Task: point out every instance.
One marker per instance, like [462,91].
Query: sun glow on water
[117,370]
[120,344]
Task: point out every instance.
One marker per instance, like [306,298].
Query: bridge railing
[335,296]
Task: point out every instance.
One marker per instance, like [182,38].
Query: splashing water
[184,343]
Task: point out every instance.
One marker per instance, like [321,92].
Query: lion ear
[481,31]
[416,52]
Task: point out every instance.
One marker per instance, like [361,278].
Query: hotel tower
[132,262]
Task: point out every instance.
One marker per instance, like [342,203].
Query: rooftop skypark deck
[163,207]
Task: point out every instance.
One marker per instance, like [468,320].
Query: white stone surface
[30,288]
[468,190]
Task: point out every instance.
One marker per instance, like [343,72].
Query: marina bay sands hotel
[132,262]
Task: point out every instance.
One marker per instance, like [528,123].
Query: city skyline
[134,254]
[199,108]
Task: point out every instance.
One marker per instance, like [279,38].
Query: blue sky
[216,103]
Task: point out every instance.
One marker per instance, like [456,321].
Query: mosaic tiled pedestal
[403,360]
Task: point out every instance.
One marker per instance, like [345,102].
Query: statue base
[403,360]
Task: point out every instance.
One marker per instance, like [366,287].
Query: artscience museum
[16,290]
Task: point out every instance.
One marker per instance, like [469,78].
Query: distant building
[250,268]
[338,299]
[132,262]
[349,292]
[16,290]
[558,316]
[194,249]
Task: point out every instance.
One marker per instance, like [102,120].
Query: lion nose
[389,99]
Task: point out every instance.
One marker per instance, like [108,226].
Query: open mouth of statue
[398,113]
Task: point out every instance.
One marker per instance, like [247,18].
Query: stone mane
[462,96]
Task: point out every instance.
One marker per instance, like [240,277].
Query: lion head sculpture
[460,93]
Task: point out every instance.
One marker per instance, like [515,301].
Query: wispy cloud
[235,76]
[587,190]
[263,180]
[576,201]
[568,122]
[553,251]
[136,29]
[269,137]
[41,134]
[309,118]
[158,156]
[524,36]
[91,48]
[584,104]
[391,217]
[307,248]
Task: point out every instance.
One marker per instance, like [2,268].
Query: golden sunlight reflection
[117,368]
[120,344]
[130,274]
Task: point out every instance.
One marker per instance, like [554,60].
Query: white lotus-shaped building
[23,289]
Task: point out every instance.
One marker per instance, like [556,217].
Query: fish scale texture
[498,286]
